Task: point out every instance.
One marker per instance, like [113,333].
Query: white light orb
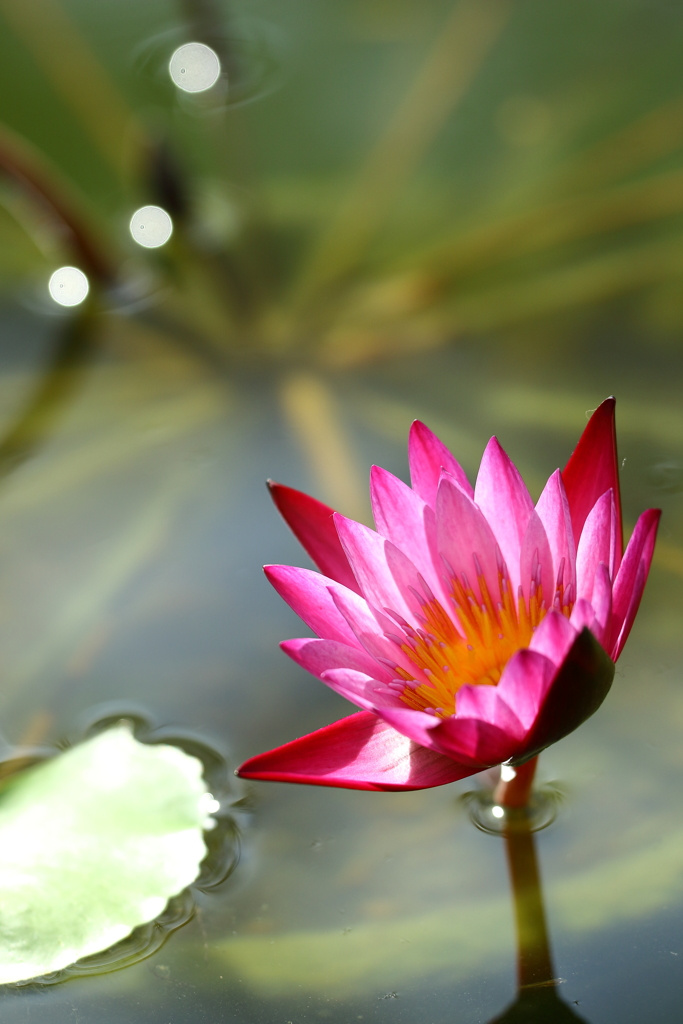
[151,226]
[497,812]
[68,286]
[194,67]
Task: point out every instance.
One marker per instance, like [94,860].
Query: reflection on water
[194,67]
[151,226]
[68,286]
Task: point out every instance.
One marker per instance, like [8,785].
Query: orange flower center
[489,635]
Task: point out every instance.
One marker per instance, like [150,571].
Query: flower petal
[536,563]
[427,456]
[318,656]
[597,544]
[358,752]
[637,585]
[366,552]
[464,537]
[524,684]
[471,742]
[553,637]
[640,548]
[372,630]
[504,500]
[578,689]
[408,522]
[602,605]
[312,524]
[553,511]
[310,595]
[594,469]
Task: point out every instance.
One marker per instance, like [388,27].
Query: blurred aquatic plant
[575,198]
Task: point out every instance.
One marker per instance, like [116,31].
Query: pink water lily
[471,627]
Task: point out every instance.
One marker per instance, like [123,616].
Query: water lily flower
[471,628]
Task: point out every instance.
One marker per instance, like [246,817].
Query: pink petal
[594,469]
[359,688]
[427,456]
[536,561]
[596,544]
[370,627]
[638,584]
[578,689]
[310,595]
[553,511]
[311,523]
[318,656]
[472,743]
[465,538]
[408,522]
[641,545]
[488,704]
[359,752]
[553,637]
[504,500]
[366,552]
[582,615]
[524,684]
[602,605]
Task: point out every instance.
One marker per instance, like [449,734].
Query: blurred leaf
[94,843]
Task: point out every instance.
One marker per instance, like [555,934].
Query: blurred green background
[470,213]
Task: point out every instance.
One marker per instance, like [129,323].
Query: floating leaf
[93,843]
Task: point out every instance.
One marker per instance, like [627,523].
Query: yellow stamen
[475,653]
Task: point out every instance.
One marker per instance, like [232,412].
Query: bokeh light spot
[194,67]
[151,226]
[68,286]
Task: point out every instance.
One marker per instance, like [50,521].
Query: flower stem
[515,791]
[534,960]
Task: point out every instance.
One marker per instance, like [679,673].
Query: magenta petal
[359,688]
[553,637]
[366,552]
[602,605]
[502,496]
[428,456]
[318,656]
[525,683]
[578,689]
[369,626]
[594,469]
[488,704]
[640,546]
[596,545]
[464,537]
[637,588]
[407,521]
[536,562]
[553,511]
[473,743]
[312,524]
[358,752]
[310,595]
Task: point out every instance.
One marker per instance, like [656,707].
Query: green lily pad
[93,843]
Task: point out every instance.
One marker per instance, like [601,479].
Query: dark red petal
[312,524]
[593,469]
[358,752]
[577,691]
